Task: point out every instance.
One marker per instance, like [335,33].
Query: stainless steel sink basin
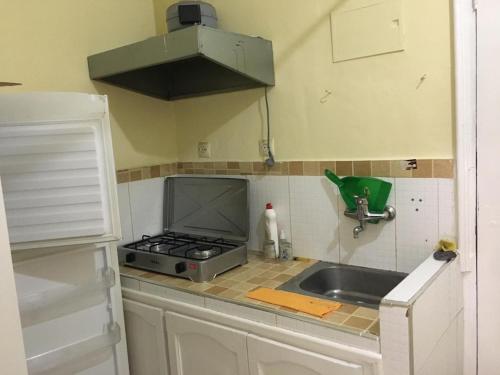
[350,284]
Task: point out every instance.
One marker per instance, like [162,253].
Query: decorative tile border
[145,173]
[420,168]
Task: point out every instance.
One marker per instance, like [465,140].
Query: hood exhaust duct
[193,60]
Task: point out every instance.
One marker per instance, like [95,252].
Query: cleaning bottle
[272,227]
[285,247]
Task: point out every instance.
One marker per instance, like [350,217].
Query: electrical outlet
[204,150]
[264,147]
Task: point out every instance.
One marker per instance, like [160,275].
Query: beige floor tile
[215,290]
[270,284]
[398,171]
[294,271]
[443,169]
[268,275]
[424,169]
[357,322]
[244,287]
[366,313]
[381,168]
[311,168]
[230,293]
[362,168]
[347,308]
[235,284]
[283,277]
[280,268]
[228,283]
[336,317]
[374,329]
[181,283]
[200,287]
[265,266]
[257,280]
[245,299]
[344,168]
[296,168]
[241,277]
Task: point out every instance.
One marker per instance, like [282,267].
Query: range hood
[194,61]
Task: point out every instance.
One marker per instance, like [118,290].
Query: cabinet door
[147,350]
[268,357]
[57,168]
[196,347]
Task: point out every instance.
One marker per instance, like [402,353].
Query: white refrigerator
[59,190]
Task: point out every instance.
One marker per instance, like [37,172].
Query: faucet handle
[360,200]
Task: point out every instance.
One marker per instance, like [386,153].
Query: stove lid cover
[214,207]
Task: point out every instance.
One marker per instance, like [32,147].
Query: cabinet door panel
[268,357]
[197,347]
[147,351]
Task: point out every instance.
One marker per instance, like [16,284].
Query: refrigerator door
[11,349]
[71,310]
[57,168]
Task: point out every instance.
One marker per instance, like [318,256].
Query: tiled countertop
[232,286]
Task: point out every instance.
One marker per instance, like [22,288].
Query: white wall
[378,107]
[45,45]
[488,183]
[424,337]
[310,212]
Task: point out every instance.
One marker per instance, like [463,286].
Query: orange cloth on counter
[308,305]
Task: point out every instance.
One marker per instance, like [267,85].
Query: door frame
[465,63]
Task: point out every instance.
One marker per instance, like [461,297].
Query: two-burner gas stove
[206,227]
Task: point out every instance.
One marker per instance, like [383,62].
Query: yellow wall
[376,110]
[45,45]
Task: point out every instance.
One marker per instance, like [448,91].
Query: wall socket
[204,150]
[264,147]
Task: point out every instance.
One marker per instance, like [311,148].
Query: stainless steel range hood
[194,61]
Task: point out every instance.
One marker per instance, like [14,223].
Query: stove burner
[159,248]
[193,257]
[183,246]
[204,247]
[203,252]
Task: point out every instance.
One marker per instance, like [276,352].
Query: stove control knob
[130,258]
[180,267]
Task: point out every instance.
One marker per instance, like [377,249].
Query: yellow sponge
[446,245]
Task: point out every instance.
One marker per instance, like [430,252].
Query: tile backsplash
[376,245]
[420,168]
[310,211]
[314,216]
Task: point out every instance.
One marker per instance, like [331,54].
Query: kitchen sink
[350,284]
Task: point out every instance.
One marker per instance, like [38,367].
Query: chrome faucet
[363,215]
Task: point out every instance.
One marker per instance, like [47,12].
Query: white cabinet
[204,341]
[57,169]
[145,328]
[197,347]
[267,357]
